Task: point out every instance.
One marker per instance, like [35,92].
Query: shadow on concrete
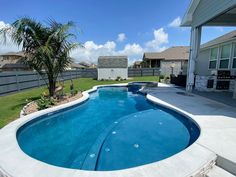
[211,104]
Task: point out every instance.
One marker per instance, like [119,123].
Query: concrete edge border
[11,155]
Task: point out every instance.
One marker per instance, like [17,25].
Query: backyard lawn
[11,105]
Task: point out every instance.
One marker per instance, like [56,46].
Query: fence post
[141,73]
[153,72]
[70,75]
[38,79]
[17,82]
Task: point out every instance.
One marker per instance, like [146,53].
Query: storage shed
[112,67]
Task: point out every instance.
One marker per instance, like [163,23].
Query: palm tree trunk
[52,86]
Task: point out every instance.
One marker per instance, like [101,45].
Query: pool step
[218,172]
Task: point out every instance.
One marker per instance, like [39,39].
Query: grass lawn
[11,105]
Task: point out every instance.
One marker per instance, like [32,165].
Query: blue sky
[112,27]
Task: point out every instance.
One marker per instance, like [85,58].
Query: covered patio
[205,13]
[223,97]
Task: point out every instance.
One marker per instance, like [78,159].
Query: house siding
[202,63]
[208,9]
[203,73]
[112,73]
[179,66]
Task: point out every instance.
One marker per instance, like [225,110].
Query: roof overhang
[154,58]
[187,19]
[224,15]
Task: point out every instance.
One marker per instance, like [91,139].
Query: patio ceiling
[226,19]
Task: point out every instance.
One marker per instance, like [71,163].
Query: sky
[111,27]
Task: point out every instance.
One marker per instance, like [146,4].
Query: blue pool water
[117,128]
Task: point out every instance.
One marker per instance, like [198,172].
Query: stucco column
[195,42]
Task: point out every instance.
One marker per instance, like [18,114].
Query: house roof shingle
[173,53]
[13,54]
[137,62]
[112,62]
[225,38]
[76,65]
[12,64]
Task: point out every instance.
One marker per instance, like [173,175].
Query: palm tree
[46,48]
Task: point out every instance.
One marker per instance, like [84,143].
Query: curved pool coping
[15,163]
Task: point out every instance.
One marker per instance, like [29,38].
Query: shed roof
[225,38]
[113,62]
[173,53]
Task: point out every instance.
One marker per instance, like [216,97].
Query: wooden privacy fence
[17,81]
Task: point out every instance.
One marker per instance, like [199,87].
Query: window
[213,58]
[224,57]
[234,57]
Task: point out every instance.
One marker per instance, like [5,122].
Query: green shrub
[161,76]
[45,102]
[118,78]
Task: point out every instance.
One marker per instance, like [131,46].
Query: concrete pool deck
[217,142]
[216,120]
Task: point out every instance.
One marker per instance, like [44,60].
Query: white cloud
[160,38]
[8,45]
[91,50]
[134,51]
[175,23]
[4,25]
[131,50]
[121,37]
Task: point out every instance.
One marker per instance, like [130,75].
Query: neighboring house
[74,66]
[137,64]
[112,67]
[173,60]
[80,65]
[92,65]
[13,61]
[216,64]
[87,65]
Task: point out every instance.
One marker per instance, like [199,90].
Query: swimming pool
[117,128]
